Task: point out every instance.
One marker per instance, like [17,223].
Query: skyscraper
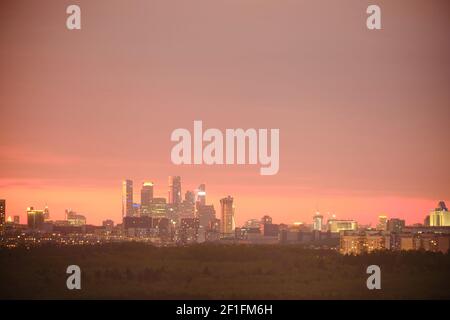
[318,222]
[2,215]
[201,195]
[46,213]
[174,190]
[382,223]
[35,218]
[189,196]
[127,198]
[206,215]
[187,207]
[146,197]
[228,218]
[158,208]
[266,219]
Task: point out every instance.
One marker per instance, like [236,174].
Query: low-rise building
[363,242]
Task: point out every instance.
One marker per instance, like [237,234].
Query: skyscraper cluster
[190,219]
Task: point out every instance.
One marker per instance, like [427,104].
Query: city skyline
[138,188]
[191,220]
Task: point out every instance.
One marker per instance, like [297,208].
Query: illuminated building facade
[188,232]
[201,195]
[35,218]
[158,208]
[46,213]
[146,197]
[363,242]
[186,209]
[440,217]
[318,222]
[127,198]
[174,189]
[336,225]
[228,217]
[75,219]
[2,215]
[429,241]
[382,223]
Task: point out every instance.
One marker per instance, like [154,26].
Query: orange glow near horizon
[101,203]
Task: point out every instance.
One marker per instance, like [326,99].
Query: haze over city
[363,117]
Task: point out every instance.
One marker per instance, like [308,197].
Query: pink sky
[363,115]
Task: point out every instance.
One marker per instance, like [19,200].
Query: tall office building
[158,208]
[318,222]
[186,209]
[201,195]
[174,190]
[127,198]
[228,216]
[266,219]
[206,215]
[382,223]
[189,196]
[2,215]
[46,213]
[146,197]
[35,218]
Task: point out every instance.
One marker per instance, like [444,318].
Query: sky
[363,115]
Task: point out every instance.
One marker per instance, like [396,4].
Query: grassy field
[135,271]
